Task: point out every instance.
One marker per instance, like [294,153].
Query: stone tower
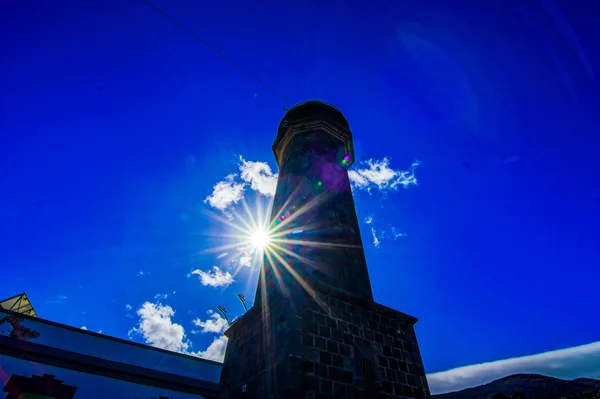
[314,330]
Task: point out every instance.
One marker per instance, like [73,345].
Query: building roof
[19,303]
[71,342]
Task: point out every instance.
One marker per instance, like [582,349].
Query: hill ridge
[532,386]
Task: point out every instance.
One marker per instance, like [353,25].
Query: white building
[46,360]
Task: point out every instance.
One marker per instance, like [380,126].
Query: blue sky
[476,178]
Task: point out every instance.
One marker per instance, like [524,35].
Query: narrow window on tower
[367,369]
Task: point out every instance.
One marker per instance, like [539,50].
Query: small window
[367,369]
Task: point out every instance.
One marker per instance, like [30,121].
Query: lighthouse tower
[314,330]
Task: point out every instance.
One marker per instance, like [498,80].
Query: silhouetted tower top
[312,115]
[313,209]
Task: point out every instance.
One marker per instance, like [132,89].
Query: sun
[260,238]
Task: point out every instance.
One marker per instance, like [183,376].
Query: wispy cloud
[58,299]
[569,363]
[245,260]
[214,324]
[376,241]
[395,234]
[214,278]
[390,233]
[377,174]
[369,219]
[224,254]
[142,273]
[157,328]
[225,193]
[128,306]
[163,296]
[244,256]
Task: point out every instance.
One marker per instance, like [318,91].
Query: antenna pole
[223,311]
[243,301]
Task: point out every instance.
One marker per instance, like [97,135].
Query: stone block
[325,358]
[326,386]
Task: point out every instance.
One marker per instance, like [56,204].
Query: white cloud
[128,306]
[378,174]
[214,278]
[142,273]
[83,327]
[158,330]
[569,363]
[259,176]
[256,175]
[224,254]
[369,219]
[214,324]
[225,193]
[216,350]
[376,241]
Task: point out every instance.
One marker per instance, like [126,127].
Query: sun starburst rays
[275,242]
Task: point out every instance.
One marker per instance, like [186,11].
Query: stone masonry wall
[337,349]
[338,340]
[259,360]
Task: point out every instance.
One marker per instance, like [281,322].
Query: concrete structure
[43,359]
[314,330]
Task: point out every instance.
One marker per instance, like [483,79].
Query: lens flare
[260,238]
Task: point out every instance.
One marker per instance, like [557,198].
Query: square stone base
[331,348]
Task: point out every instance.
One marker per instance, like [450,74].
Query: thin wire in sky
[218,52]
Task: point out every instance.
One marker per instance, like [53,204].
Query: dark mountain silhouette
[530,386]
